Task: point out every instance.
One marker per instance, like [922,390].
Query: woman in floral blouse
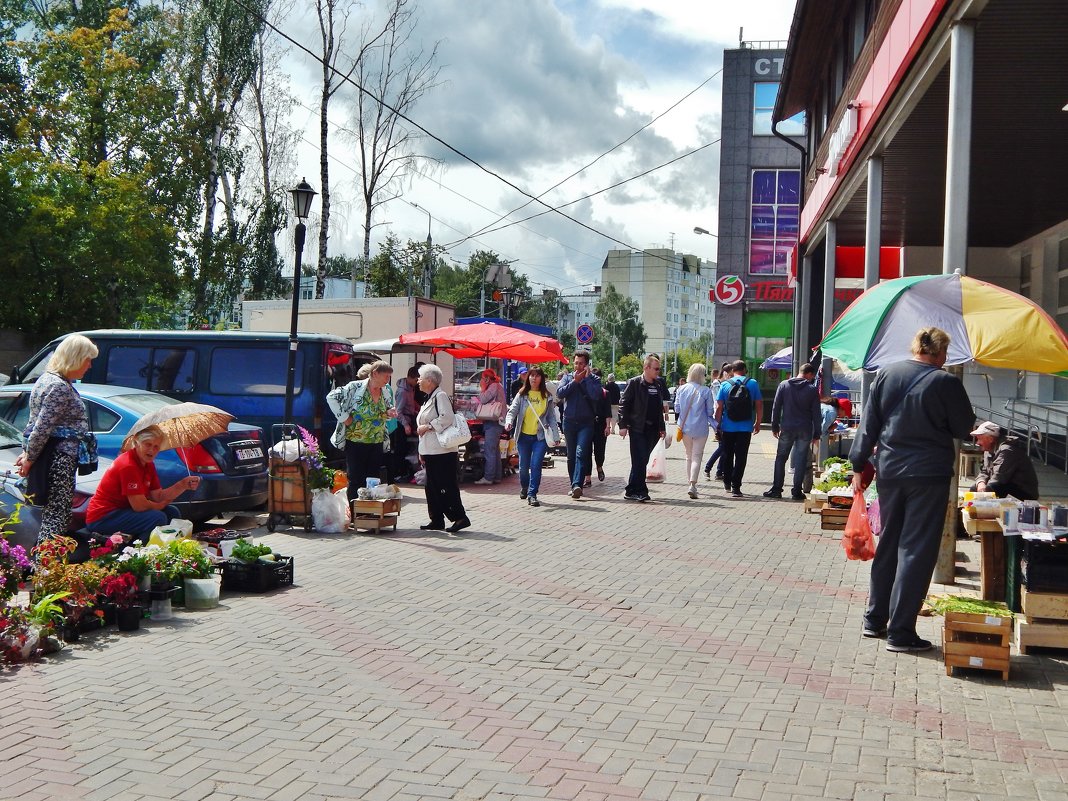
[51,440]
[363,408]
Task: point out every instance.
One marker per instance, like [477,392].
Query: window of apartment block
[763,104]
[773,220]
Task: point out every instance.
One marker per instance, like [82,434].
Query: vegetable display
[245,551]
[965,605]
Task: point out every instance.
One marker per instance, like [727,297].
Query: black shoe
[459,525]
[600,474]
[533,500]
[630,496]
[797,495]
[433,525]
[737,494]
[719,476]
[523,494]
[576,491]
[708,475]
[645,499]
[772,494]
[911,645]
[872,633]
[587,483]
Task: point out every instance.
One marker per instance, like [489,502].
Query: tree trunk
[324,192]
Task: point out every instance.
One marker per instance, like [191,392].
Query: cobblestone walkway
[590,649]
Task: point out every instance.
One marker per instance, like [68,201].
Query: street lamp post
[303,195]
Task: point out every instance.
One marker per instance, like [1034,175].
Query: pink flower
[116,539]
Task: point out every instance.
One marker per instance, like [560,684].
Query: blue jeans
[134,523]
[531,453]
[792,444]
[491,449]
[579,438]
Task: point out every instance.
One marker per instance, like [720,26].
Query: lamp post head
[697,229]
[303,195]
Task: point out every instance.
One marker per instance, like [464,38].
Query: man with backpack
[739,409]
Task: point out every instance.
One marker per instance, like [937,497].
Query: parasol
[183,424]
[479,340]
[986,323]
[781,360]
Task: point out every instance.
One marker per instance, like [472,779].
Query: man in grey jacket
[796,423]
[1007,467]
[914,412]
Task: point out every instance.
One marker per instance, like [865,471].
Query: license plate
[248,454]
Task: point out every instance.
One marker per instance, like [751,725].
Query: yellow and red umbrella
[986,323]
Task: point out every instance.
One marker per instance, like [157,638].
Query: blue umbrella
[783,360]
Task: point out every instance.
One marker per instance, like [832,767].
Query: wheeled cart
[288,496]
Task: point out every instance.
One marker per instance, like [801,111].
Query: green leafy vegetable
[247,552]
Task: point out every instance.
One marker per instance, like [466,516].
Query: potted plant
[54,574]
[187,564]
[121,590]
[18,639]
[47,616]
[13,566]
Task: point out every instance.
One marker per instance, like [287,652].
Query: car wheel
[270,523]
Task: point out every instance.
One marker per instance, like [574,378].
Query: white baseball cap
[987,428]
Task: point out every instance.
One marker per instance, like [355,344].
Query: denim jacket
[518,410]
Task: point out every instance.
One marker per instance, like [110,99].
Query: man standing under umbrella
[580,393]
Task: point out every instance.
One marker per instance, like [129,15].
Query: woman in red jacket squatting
[129,498]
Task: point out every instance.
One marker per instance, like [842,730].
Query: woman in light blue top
[695,406]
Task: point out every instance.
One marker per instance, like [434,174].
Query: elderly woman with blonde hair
[442,476]
[57,443]
[129,498]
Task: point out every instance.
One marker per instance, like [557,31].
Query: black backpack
[739,405]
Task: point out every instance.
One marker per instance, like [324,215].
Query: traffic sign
[584,334]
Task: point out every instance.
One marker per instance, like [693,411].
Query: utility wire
[560,183]
[401,115]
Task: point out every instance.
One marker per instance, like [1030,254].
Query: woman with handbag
[438,449]
[696,406]
[363,408]
[533,413]
[491,409]
[57,442]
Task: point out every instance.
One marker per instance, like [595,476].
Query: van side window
[173,370]
[128,366]
[252,371]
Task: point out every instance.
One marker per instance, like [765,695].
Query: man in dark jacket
[580,393]
[641,414]
[914,412]
[1007,467]
[795,422]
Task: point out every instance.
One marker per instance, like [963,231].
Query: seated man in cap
[1007,468]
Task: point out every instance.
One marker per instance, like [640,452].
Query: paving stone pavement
[589,649]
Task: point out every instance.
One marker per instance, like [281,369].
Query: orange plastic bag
[858,541]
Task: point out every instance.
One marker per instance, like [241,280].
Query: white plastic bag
[288,450]
[657,467]
[419,478]
[329,512]
[668,438]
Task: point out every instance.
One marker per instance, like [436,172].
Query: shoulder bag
[492,411]
[456,434]
[682,420]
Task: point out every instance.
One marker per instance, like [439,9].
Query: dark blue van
[241,372]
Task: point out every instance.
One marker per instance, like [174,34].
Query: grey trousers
[912,515]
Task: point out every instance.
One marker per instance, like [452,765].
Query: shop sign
[841,139]
[779,291]
[728,290]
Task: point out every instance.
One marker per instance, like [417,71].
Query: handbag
[456,434]
[494,410]
[682,421]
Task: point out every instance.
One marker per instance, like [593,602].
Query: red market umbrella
[480,340]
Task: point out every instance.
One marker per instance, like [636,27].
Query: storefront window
[774,212]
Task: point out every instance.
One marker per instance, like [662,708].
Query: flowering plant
[55,575]
[186,559]
[137,559]
[13,564]
[17,638]
[120,589]
[319,475]
[106,553]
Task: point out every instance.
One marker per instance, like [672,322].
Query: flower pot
[145,582]
[71,632]
[129,618]
[201,593]
[109,613]
[178,597]
[161,609]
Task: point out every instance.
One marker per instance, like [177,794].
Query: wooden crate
[1040,634]
[832,518]
[979,642]
[374,516]
[1044,605]
[814,503]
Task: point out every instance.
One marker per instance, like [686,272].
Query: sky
[534,90]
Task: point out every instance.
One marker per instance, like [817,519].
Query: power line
[401,115]
[615,147]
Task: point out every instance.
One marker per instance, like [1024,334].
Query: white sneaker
[483,482]
[692,492]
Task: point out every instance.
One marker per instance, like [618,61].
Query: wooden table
[991,555]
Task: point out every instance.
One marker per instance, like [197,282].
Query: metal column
[804,283]
[873,240]
[959,148]
[830,248]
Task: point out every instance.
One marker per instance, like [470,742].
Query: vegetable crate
[977,641]
[833,518]
[1046,621]
[258,576]
[373,516]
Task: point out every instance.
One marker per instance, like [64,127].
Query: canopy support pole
[959,147]
[873,241]
[804,283]
[830,248]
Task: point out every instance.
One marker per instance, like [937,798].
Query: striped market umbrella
[986,323]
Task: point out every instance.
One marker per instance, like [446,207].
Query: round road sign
[584,334]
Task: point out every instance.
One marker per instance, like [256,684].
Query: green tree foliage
[676,363]
[461,286]
[617,316]
[628,366]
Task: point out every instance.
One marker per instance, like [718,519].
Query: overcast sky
[535,89]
